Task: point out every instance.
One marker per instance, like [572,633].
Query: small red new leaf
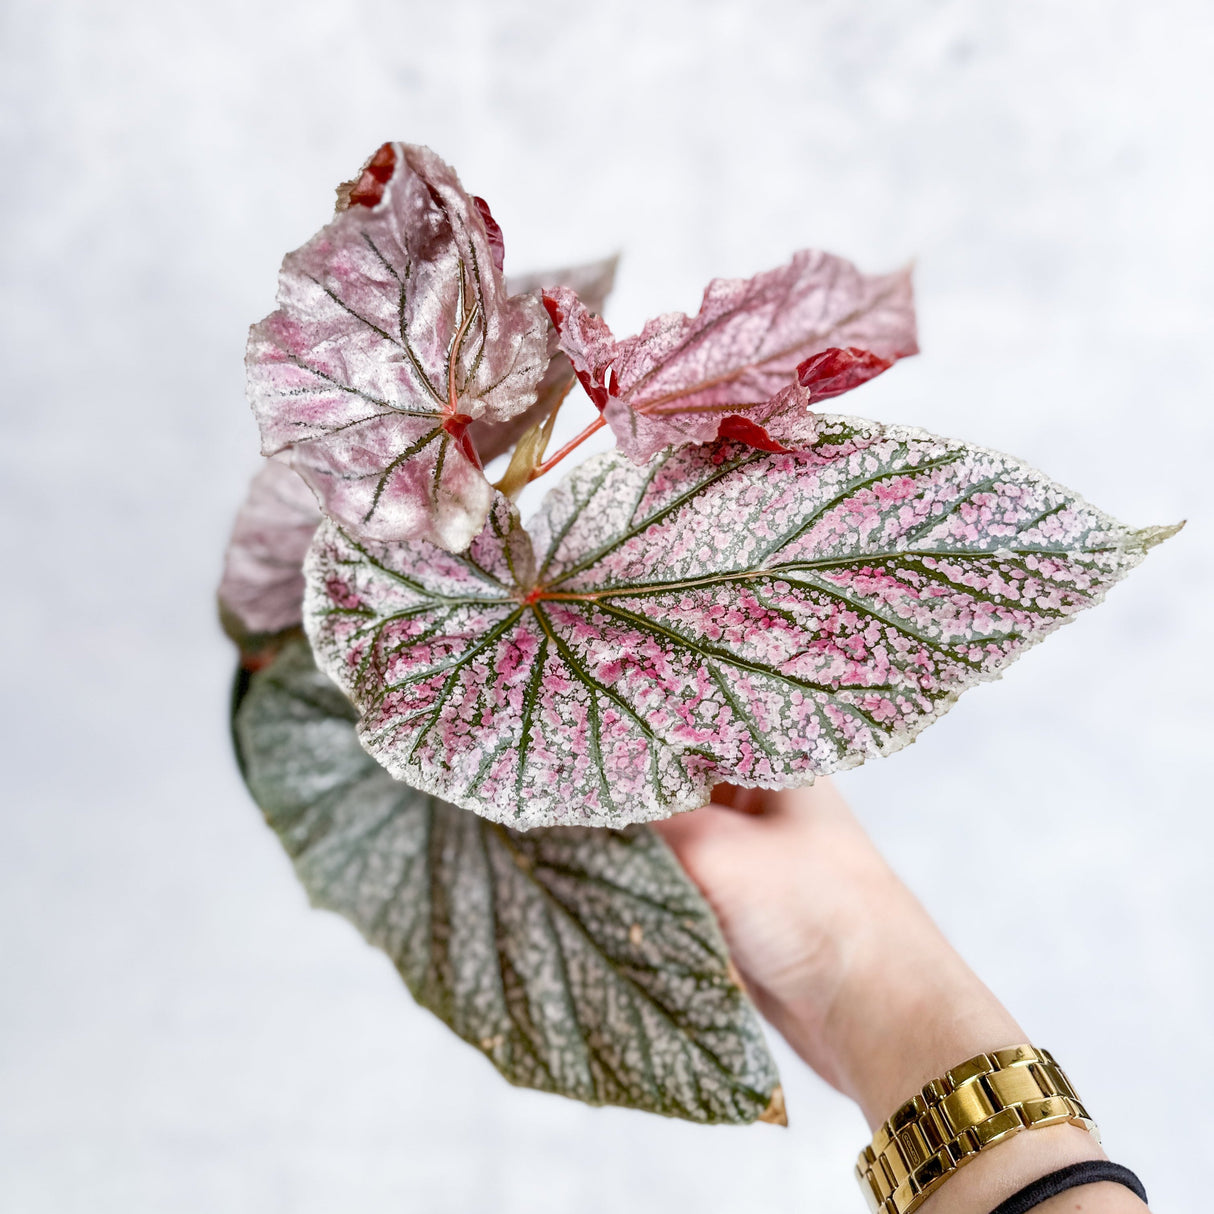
[368,188]
[676,381]
[744,430]
[836,371]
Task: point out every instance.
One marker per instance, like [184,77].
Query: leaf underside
[261,593]
[720,614]
[581,962]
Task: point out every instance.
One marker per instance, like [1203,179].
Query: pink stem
[551,462]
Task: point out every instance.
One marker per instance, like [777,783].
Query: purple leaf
[394,333]
[754,351]
[721,614]
[592,282]
[262,588]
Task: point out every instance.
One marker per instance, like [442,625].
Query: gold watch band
[975,1105]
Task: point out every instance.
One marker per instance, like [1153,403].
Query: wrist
[907,1009]
[904,1006]
[895,1027]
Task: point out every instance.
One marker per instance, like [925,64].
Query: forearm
[849,967]
[907,1009]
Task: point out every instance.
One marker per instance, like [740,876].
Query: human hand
[834,949]
[846,964]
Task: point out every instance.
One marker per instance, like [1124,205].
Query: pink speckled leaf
[750,364]
[720,614]
[262,589]
[394,333]
[592,282]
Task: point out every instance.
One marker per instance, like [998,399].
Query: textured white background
[178,1032]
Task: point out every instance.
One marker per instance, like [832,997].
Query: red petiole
[573,443]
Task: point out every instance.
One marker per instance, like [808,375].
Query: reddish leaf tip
[368,188]
[553,307]
[457,427]
[743,430]
[493,230]
[596,390]
[839,369]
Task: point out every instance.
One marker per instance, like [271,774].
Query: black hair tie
[1089,1172]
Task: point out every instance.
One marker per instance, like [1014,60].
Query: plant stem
[576,441]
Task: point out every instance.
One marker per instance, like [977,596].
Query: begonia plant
[458,723]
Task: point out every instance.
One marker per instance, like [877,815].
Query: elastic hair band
[1089,1172]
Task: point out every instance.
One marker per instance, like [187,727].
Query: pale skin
[846,964]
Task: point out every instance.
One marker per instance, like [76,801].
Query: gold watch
[986,1099]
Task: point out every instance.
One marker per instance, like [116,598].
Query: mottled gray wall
[178,1032]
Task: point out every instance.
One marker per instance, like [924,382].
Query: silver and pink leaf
[394,332]
[723,613]
[750,364]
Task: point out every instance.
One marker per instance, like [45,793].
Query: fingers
[821,797]
[719,815]
[743,800]
[748,818]
[681,831]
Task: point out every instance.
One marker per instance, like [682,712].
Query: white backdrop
[178,1032]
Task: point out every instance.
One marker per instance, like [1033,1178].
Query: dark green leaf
[581,961]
